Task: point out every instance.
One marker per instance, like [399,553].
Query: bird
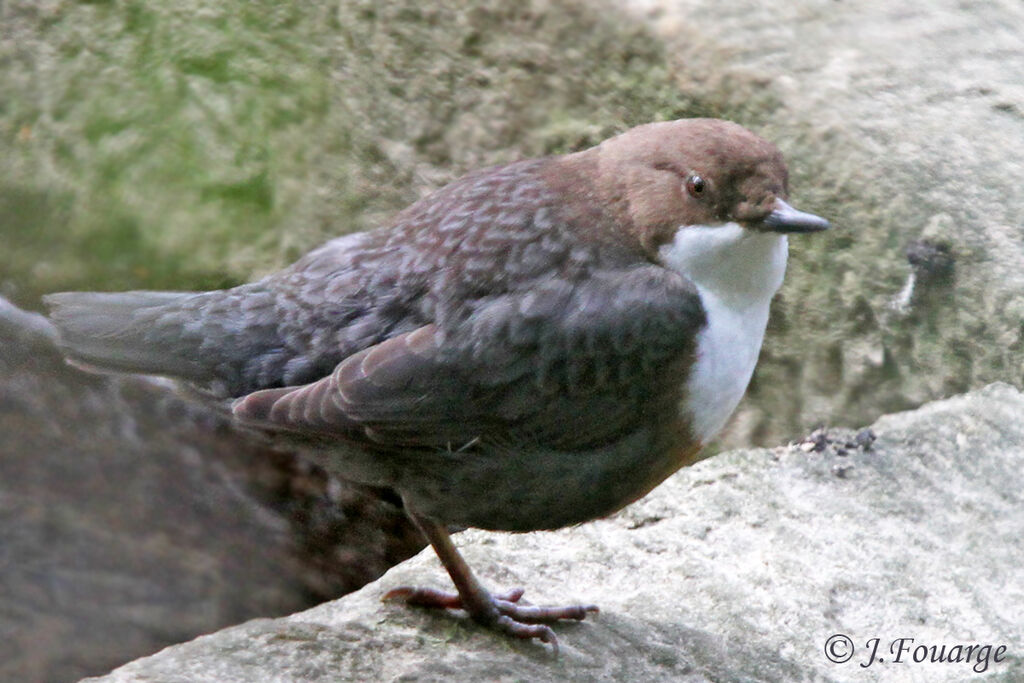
[532,346]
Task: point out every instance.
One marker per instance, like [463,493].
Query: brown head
[659,177]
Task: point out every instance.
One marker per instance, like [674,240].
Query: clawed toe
[530,614]
[518,629]
[423,597]
[432,597]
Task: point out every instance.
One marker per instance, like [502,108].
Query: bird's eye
[695,185]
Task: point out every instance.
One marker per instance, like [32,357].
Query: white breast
[736,271]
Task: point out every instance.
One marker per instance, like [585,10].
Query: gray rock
[737,569]
[903,123]
[131,519]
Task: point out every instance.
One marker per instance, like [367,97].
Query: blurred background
[150,144]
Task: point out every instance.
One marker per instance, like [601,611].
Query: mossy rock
[192,145]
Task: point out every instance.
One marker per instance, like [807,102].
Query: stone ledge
[738,568]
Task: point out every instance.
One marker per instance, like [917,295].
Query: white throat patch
[736,272]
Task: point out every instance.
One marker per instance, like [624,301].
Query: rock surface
[130,519]
[737,569]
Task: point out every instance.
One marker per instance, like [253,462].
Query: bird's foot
[500,612]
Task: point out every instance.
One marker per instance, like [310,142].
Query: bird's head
[699,193]
[700,172]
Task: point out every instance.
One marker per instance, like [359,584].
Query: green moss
[159,144]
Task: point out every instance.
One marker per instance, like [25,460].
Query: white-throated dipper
[532,346]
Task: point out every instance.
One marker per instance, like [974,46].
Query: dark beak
[784,218]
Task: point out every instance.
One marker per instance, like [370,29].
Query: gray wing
[568,365]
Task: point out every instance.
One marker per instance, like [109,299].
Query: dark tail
[145,332]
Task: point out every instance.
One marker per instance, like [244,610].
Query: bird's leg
[500,612]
